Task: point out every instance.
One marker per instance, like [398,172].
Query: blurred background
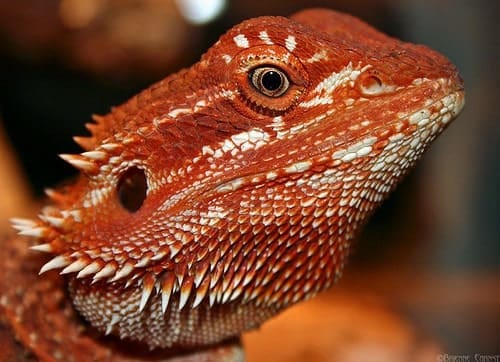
[431,254]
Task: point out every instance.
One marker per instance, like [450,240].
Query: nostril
[132,189]
[371,84]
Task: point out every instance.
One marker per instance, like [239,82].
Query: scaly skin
[233,189]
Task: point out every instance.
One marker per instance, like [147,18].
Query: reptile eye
[132,189]
[270,81]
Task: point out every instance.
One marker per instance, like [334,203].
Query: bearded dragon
[228,191]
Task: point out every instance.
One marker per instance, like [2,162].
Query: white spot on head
[230,186]
[207,150]
[227,145]
[241,41]
[265,38]
[271,175]
[290,43]
[417,117]
[227,58]
[179,111]
[363,151]
[316,101]
[330,83]
[277,123]
[318,56]
[298,167]
[356,150]
[396,137]
[327,86]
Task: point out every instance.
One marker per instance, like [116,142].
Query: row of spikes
[216,284]
[203,282]
[90,143]
[88,161]
[51,218]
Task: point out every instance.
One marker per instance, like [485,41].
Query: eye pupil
[270,81]
[132,189]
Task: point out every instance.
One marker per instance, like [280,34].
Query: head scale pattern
[233,189]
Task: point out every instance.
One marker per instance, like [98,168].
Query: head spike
[92,268]
[114,320]
[95,155]
[21,224]
[159,255]
[55,196]
[201,292]
[144,261]
[75,266]
[123,272]
[87,143]
[97,118]
[23,221]
[185,292]
[59,261]
[201,271]
[148,285]
[92,127]
[45,248]
[167,286]
[80,162]
[110,146]
[52,220]
[105,272]
[37,232]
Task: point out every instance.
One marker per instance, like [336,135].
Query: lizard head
[232,189]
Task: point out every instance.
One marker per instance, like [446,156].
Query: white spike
[142,262]
[94,155]
[128,283]
[236,293]
[123,272]
[157,287]
[225,296]
[184,293]
[110,146]
[45,248]
[37,232]
[146,292]
[54,221]
[159,255]
[212,294]
[19,227]
[78,162]
[92,268]
[184,296]
[114,320]
[180,278]
[105,272]
[200,294]
[200,276]
[165,298]
[19,223]
[75,266]
[55,263]
[167,287]
[52,194]
[174,250]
